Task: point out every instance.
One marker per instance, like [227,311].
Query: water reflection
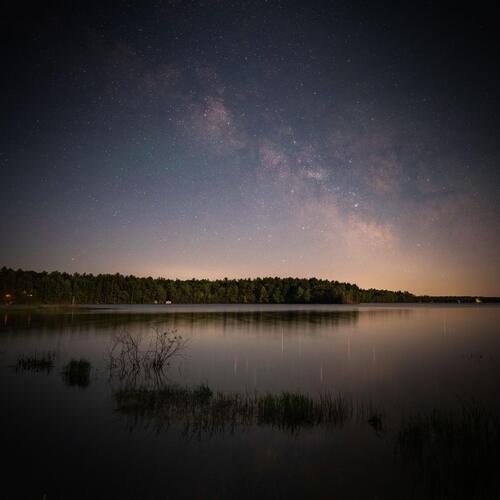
[265,370]
[83,321]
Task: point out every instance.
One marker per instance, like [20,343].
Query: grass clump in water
[77,373]
[456,453]
[37,362]
[200,409]
[376,420]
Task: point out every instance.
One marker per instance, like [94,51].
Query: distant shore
[64,308]
[56,290]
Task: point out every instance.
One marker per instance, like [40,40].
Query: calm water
[66,441]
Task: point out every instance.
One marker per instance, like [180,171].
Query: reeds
[37,362]
[456,453]
[200,409]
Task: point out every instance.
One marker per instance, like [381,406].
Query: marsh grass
[449,454]
[199,409]
[36,362]
[456,454]
[77,373]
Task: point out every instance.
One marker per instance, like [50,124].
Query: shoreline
[63,308]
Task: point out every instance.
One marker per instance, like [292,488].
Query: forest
[30,287]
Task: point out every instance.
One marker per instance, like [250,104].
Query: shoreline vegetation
[59,290]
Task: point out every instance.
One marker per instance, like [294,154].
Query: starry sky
[183,139]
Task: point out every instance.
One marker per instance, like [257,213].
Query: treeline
[465,299]
[30,287]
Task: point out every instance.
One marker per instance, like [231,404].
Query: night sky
[340,140]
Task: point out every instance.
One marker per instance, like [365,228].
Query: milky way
[242,139]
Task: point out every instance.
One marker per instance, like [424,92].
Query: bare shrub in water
[130,361]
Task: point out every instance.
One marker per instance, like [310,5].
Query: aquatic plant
[36,362]
[201,409]
[456,453]
[129,361]
[376,420]
[77,373]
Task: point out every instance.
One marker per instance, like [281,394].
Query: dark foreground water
[420,384]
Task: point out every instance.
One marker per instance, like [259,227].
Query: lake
[413,408]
